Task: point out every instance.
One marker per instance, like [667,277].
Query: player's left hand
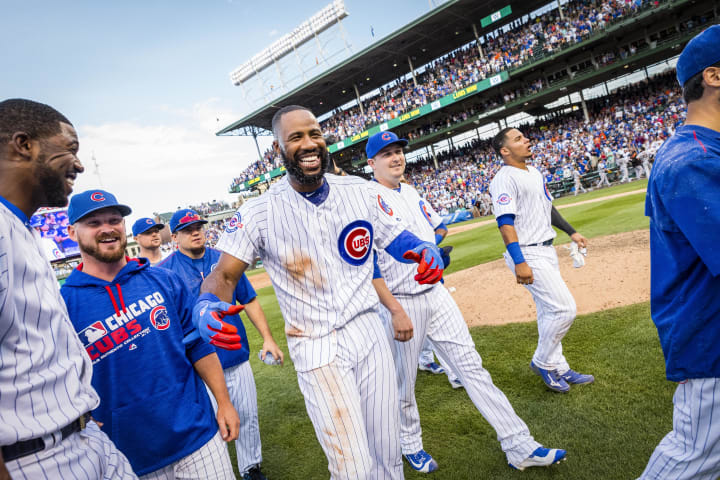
[269,346]
[208,316]
[430,264]
[402,326]
[228,421]
[579,239]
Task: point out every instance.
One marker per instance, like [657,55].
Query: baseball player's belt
[34,445]
[546,243]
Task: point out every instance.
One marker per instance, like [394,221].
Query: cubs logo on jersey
[426,214]
[504,199]
[159,318]
[384,206]
[355,242]
[234,223]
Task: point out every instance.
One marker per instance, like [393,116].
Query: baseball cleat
[553,381]
[432,367]
[541,457]
[571,376]
[254,474]
[456,383]
[422,462]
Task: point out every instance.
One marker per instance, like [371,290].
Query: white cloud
[156,168]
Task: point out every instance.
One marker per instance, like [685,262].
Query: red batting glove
[426,273]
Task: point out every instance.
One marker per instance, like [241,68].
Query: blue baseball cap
[145,224]
[381,140]
[700,52]
[89,201]
[183,218]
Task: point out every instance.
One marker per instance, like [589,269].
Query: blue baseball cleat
[432,367]
[422,462]
[456,383]
[541,457]
[571,376]
[551,378]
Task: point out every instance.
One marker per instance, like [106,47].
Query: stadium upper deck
[653,32]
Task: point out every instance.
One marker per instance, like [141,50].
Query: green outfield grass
[616,215]
[609,428]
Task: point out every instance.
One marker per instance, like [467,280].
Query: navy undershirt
[317,196]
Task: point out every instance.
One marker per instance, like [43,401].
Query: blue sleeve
[401,244]
[184,303]
[376,267]
[244,291]
[507,219]
[690,195]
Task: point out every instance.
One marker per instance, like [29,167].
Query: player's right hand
[523,273]
[208,316]
[429,259]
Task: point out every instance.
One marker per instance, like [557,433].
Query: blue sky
[146,82]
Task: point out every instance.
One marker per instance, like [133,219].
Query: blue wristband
[438,238]
[515,253]
[208,296]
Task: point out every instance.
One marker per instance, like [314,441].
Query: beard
[292,165]
[92,249]
[53,186]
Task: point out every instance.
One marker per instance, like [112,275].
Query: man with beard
[45,380]
[133,320]
[193,262]
[315,234]
[146,233]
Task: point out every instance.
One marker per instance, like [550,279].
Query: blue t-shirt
[193,272]
[683,203]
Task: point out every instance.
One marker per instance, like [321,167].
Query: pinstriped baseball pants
[691,451]
[435,314]
[209,462]
[554,303]
[352,403]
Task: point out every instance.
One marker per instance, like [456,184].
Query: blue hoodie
[193,272]
[153,405]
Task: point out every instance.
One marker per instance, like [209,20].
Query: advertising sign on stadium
[265,177]
[494,17]
[424,110]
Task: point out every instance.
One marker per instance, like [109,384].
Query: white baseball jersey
[44,371]
[524,194]
[319,257]
[421,220]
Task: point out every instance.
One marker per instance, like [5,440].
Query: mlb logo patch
[504,199]
[92,333]
[355,242]
[159,318]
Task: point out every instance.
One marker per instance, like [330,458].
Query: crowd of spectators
[208,208]
[624,123]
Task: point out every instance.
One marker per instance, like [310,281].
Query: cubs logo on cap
[184,218]
[355,242]
[144,224]
[234,223]
[381,140]
[89,201]
[160,318]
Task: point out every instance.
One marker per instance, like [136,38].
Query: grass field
[609,428]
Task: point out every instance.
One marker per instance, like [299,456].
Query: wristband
[438,238]
[211,297]
[515,253]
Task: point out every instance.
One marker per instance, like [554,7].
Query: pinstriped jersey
[524,194]
[45,373]
[318,257]
[421,220]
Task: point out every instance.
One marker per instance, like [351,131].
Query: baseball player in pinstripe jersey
[315,233]
[684,209]
[525,215]
[436,316]
[45,374]
[193,262]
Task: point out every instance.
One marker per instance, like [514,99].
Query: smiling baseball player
[436,316]
[315,234]
[525,215]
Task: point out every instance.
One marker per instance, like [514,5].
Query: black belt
[34,445]
[541,244]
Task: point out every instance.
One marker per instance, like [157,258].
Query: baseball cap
[381,140]
[144,224]
[89,201]
[700,52]
[183,218]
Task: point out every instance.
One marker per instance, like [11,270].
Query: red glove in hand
[207,317]
[428,271]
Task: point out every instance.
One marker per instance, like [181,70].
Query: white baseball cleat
[541,457]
